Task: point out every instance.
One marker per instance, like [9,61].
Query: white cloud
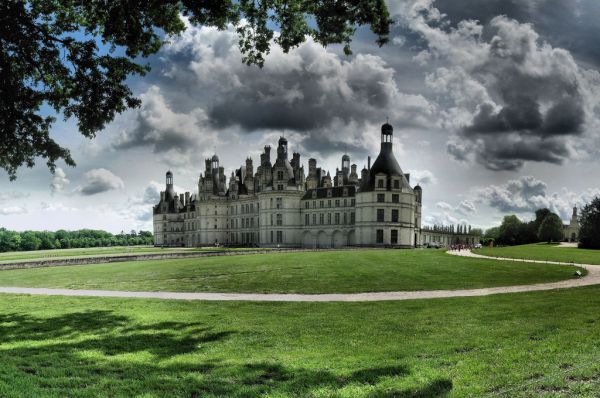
[5,211]
[59,181]
[98,181]
[527,194]
[422,177]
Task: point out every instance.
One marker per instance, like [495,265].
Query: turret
[249,167]
[385,164]
[418,194]
[282,148]
[169,192]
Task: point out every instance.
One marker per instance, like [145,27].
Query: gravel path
[592,278]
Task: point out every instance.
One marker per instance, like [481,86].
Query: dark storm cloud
[335,101]
[572,25]
[510,96]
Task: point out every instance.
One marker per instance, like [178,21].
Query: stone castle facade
[280,205]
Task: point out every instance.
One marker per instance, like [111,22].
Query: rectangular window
[345,218]
[379,236]
[280,203]
[329,203]
[271,219]
[395,198]
[321,218]
[321,204]
[306,219]
[271,203]
[314,204]
[352,202]
[280,175]
[279,236]
[279,219]
[380,215]
[314,219]
[337,203]
[345,202]
[380,183]
[337,218]
[380,197]
[352,218]
[396,185]
[394,215]
[271,236]
[394,237]
[306,205]
[280,187]
[328,218]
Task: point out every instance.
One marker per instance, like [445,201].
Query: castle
[281,206]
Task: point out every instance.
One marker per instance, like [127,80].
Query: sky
[495,107]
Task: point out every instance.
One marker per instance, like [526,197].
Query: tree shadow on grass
[99,353]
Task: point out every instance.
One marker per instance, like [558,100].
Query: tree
[50,57]
[509,230]
[551,229]
[29,241]
[589,225]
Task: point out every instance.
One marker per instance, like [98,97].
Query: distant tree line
[61,239]
[547,227]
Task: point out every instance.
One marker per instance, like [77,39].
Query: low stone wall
[148,256]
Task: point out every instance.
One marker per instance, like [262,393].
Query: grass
[10,257]
[546,252]
[543,344]
[311,272]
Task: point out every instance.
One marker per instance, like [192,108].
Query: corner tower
[388,210]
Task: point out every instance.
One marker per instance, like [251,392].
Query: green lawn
[311,272]
[544,344]
[544,251]
[10,257]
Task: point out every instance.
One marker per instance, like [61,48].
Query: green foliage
[50,55]
[589,224]
[317,272]
[513,231]
[510,230]
[61,239]
[551,229]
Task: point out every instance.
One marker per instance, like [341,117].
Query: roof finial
[387,119]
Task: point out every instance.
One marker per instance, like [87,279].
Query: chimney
[187,198]
[369,163]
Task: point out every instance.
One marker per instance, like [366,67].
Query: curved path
[592,278]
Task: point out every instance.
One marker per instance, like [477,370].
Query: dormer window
[345,193]
[329,193]
[280,175]
[314,194]
[396,184]
[380,183]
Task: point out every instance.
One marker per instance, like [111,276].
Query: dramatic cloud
[98,181]
[328,98]
[166,131]
[527,194]
[59,181]
[511,97]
